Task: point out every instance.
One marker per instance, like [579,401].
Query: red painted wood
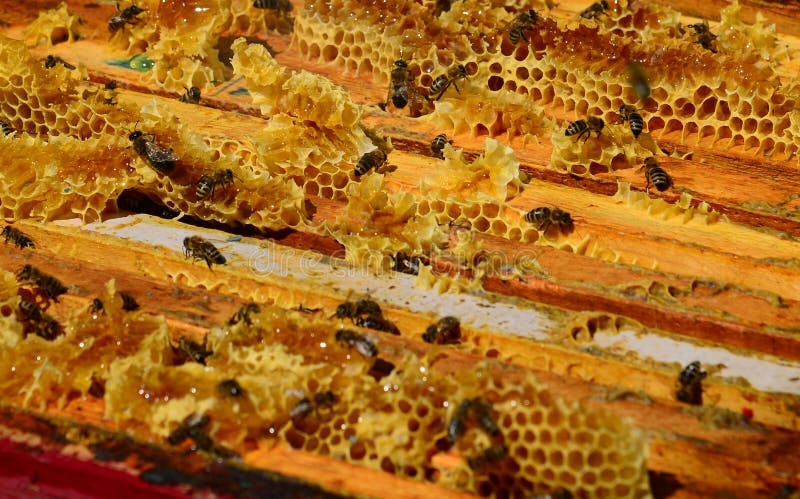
[28,472]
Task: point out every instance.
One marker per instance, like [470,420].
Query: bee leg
[545,227]
[456,85]
[444,90]
[586,132]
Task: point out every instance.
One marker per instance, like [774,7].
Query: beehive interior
[70,155]
[398,423]
[577,66]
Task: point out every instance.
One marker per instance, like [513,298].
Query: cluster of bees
[163,160]
[403,92]
[363,313]
[478,410]
[48,288]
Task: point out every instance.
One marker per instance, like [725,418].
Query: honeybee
[482,409]
[638,80]
[123,17]
[446,331]
[398,92]
[17,237]
[359,308]
[704,36]
[193,351]
[373,159]
[98,388]
[594,10]
[280,5]
[443,82]
[244,313]
[441,6]
[437,146]
[629,113]
[690,384]
[145,145]
[208,183]
[38,322]
[655,175]
[6,128]
[581,127]
[523,22]
[200,249]
[128,302]
[192,427]
[97,307]
[458,423]
[544,218]
[378,323]
[51,60]
[304,407]
[51,286]
[355,340]
[30,310]
[230,387]
[192,96]
[492,455]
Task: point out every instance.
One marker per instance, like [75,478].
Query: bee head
[341,311]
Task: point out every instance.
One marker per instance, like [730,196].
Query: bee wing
[158,154]
[221,243]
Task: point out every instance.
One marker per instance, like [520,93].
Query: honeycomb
[78,161]
[682,209]
[477,192]
[50,373]
[736,99]
[292,101]
[377,225]
[53,26]
[43,102]
[68,177]
[615,149]
[182,37]
[582,326]
[271,172]
[397,423]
